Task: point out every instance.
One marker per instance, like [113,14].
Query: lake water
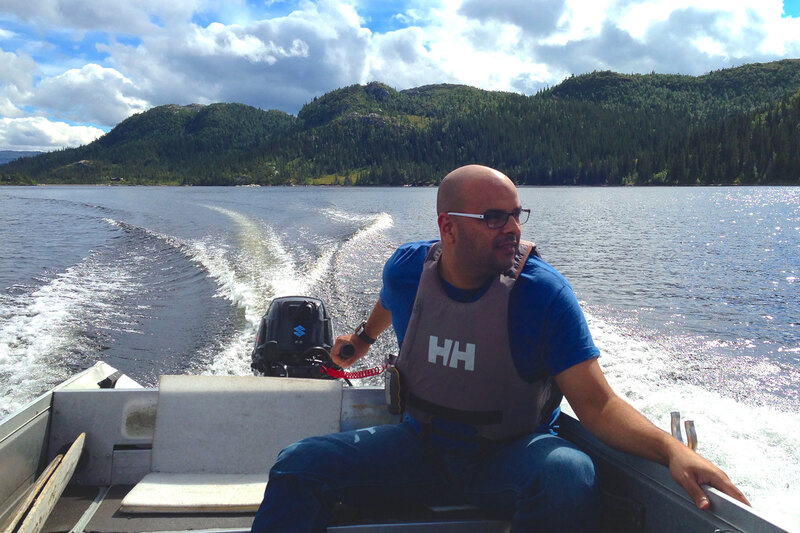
[691,293]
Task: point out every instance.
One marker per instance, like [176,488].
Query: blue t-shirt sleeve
[401,275]
[547,329]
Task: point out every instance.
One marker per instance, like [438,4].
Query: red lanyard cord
[354,375]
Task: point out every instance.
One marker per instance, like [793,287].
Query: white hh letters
[451,353]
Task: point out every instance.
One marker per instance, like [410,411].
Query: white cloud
[731,31]
[41,134]
[537,18]
[453,44]
[582,19]
[513,45]
[17,72]
[218,40]
[782,37]
[91,94]
[16,82]
[152,52]
[278,63]
[127,17]
[401,59]
[736,15]
[8,109]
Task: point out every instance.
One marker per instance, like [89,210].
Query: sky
[70,70]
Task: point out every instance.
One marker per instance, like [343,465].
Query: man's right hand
[379,319]
[360,347]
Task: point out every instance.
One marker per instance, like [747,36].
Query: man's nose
[515,225]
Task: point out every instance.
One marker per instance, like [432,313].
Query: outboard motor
[295,336]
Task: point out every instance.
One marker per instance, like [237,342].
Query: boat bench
[216,438]
[205,435]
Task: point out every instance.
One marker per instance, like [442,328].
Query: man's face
[488,251]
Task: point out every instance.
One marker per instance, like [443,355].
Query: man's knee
[571,463]
[299,457]
[565,498]
[570,472]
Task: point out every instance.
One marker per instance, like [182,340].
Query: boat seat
[216,438]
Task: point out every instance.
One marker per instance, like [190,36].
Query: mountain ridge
[599,128]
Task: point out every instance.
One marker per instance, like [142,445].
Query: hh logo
[451,353]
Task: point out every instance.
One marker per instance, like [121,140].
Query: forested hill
[739,125]
[10,155]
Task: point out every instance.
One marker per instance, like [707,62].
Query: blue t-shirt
[547,330]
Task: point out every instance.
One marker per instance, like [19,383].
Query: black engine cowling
[294,337]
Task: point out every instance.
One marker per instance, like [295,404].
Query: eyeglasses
[497,218]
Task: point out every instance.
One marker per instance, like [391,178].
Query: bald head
[460,187]
[472,252]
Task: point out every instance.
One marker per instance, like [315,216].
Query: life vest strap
[473,418]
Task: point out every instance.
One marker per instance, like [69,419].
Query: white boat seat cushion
[216,438]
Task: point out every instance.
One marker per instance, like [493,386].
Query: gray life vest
[456,361]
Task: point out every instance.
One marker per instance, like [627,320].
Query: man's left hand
[690,470]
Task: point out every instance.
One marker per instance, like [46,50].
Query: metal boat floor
[76,504]
[107,518]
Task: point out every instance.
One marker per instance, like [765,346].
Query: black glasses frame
[497,218]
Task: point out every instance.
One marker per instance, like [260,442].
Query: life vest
[456,361]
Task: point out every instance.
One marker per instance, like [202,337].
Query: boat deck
[77,511]
[97,510]
[131,433]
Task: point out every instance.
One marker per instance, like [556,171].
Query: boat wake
[262,266]
[745,439]
[43,337]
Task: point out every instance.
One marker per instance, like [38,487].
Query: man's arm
[619,425]
[379,319]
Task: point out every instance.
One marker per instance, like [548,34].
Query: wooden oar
[48,497]
[30,495]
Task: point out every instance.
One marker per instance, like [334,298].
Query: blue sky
[72,69]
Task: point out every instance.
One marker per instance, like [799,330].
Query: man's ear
[447,228]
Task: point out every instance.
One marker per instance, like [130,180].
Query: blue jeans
[541,482]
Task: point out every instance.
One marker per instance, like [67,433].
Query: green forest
[732,126]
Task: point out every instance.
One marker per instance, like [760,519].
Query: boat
[101,453]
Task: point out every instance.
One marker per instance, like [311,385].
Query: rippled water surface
[691,293]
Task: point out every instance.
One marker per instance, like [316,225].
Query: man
[490,336]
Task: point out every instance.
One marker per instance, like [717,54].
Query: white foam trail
[746,441]
[359,260]
[42,327]
[229,284]
[258,268]
[352,251]
[243,288]
[261,269]
[233,359]
[249,275]
[376,222]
